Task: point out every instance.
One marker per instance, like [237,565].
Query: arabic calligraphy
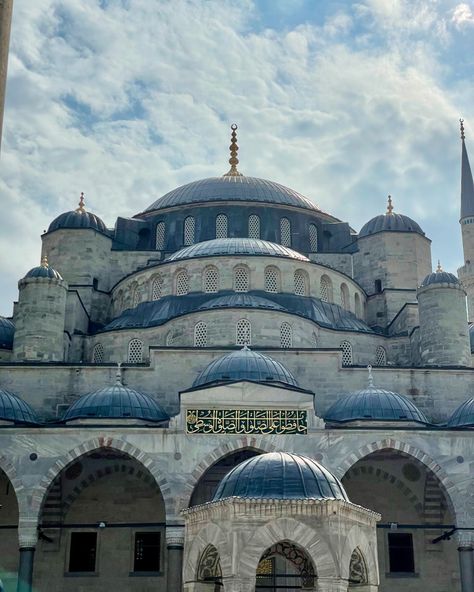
[246,421]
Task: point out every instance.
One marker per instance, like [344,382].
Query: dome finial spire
[370,378]
[439,269]
[44,261]
[118,375]
[461,123]
[389,206]
[233,160]
[81,209]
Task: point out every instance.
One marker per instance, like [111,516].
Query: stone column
[465,540]
[174,546]
[6,8]
[27,538]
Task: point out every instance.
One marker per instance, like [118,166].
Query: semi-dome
[390,222]
[236,246]
[280,475]
[116,402]
[14,409]
[7,331]
[241,300]
[79,218]
[439,277]
[245,364]
[44,271]
[463,416]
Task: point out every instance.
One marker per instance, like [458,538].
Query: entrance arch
[285,566]
[9,515]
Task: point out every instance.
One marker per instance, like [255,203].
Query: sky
[345,102]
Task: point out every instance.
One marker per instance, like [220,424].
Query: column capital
[27,534]
[465,539]
[175,536]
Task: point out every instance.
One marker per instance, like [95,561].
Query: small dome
[241,300]
[463,417]
[78,218]
[116,402]
[44,271]
[280,475]
[439,277]
[245,364]
[236,246]
[7,331]
[390,222]
[14,409]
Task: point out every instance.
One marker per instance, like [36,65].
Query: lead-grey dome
[7,332]
[280,475]
[245,364]
[463,416]
[390,222]
[439,277]
[236,246]
[14,409]
[241,300]
[44,271]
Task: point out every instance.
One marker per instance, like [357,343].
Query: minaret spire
[233,160]
[467,184]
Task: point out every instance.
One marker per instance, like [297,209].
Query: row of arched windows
[243,334]
[347,358]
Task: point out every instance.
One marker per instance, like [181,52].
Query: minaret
[6,8]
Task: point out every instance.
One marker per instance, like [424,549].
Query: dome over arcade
[280,475]
[78,218]
[439,277]
[241,300]
[463,416]
[7,332]
[374,404]
[44,271]
[236,246]
[390,222]
[15,410]
[245,364]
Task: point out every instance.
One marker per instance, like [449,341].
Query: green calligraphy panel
[246,421]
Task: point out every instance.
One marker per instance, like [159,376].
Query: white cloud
[463,15]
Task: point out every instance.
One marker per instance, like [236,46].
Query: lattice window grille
[254,226]
[285,232]
[160,236]
[189,226]
[200,335]
[182,283]
[98,354]
[157,288]
[221,226]
[313,238]
[324,289]
[135,297]
[135,351]
[380,356]
[241,279]
[211,280]
[271,280]
[243,332]
[344,297]
[286,335]
[300,283]
[346,353]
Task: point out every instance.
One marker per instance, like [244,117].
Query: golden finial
[461,122]
[233,160]
[389,206]
[44,261]
[81,209]
[439,269]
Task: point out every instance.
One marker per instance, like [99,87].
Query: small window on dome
[135,351]
[285,232]
[272,279]
[188,234]
[346,348]
[254,226]
[300,283]
[200,334]
[313,238]
[211,280]
[160,236]
[357,307]
[221,226]
[182,283]
[157,288]
[241,279]
[243,332]
[325,289]
[345,301]
[98,354]
[286,336]
[135,297]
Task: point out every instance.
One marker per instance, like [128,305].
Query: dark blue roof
[463,417]
[14,409]
[116,402]
[390,222]
[374,404]
[245,364]
[43,271]
[7,331]
[219,189]
[236,246]
[439,277]
[241,300]
[76,219]
[280,475]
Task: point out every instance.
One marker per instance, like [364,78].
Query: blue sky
[344,102]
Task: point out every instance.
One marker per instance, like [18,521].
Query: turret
[40,315]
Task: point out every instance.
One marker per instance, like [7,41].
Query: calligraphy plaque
[246,421]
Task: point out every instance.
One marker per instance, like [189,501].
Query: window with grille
[285,232]
[188,235]
[157,288]
[98,353]
[254,226]
[135,351]
[313,238]
[272,279]
[325,289]
[357,307]
[82,551]
[346,348]
[241,279]
[147,552]
[135,297]
[243,332]
[200,334]
[119,302]
[400,552]
[160,236]
[182,283]
[211,279]
[345,296]
[300,283]
[221,226]
[380,356]
[286,335]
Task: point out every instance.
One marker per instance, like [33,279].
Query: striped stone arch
[10,471]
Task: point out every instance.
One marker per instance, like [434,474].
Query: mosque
[235,391]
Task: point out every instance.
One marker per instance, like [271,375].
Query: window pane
[82,552]
[400,550]
[147,551]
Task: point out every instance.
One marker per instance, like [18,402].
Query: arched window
[98,354]
[346,353]
[135,351]
[135,296]
[221,226]
[285,232]
[157,288]
[254,226]
[345,302]
[118,302]
[188,234]
[380,356]
[160,236]
[325,289]
[313,238]
[241,279]
[272,279]
[200,334]
[182,283]
[243,332]
[211,279]
[357,307]
[286,335]
[300,283]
